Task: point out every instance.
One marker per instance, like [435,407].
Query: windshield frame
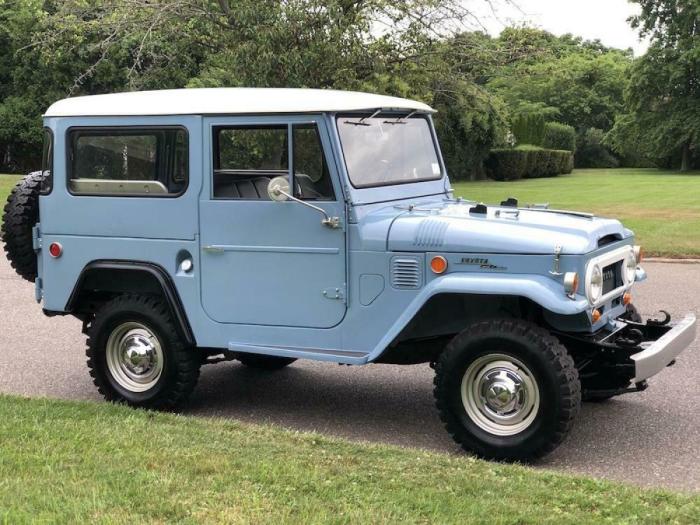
[388,114]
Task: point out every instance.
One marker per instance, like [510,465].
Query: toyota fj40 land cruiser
[271,225]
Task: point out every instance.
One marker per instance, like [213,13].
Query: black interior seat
[236,187]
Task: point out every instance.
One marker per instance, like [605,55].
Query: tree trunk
[685,159]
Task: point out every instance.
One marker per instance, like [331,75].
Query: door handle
[212,248]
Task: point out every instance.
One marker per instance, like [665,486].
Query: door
[266,262]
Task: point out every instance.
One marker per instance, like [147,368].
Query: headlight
[629,269]
[595,284]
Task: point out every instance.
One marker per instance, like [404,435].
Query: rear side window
[129,162]
[47,162]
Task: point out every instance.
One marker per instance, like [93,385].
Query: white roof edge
[228,101]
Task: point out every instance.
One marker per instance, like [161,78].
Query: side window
[47,162]
[133,162]
[246,158]
[312,180]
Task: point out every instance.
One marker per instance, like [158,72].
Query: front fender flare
[540,289]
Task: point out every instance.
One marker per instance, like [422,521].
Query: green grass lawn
[70,462]
[662,207]
[7,182]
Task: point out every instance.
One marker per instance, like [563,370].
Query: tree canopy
[488,91]
[662,114]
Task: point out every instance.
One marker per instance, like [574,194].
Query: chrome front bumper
[660,353]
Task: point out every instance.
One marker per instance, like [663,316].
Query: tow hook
[663,322]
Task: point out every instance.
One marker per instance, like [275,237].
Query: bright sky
[605,20]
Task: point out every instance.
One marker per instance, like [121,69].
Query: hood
[450,227]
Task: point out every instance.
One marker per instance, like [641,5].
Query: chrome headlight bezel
[594,284]
[629,269]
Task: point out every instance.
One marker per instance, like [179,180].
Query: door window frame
[262,121]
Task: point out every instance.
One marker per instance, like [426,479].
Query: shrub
[529,163]
[507,164]
[528,128]
[591,151]
[559,137]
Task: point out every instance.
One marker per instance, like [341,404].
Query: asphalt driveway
[650,438]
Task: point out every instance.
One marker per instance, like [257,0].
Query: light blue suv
[268,225]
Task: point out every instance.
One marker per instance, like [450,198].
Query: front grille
[612,277]
[406,272]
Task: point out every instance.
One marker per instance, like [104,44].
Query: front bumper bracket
[657,355]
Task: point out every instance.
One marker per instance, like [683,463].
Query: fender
[161,276]
[540,289]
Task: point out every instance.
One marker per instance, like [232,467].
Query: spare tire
[20,216]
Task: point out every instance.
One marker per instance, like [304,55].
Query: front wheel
[136,356]
[507,390]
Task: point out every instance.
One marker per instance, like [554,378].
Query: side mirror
[278,189]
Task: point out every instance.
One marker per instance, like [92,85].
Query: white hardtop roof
[228,101]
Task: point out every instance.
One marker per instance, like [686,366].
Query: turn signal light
[596,315]
[571,283]
[627,298]
[638,254]
[55,250]
[438,264]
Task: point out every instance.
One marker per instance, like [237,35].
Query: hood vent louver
[406,272]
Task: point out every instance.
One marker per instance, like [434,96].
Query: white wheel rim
[134,357]
[500,394]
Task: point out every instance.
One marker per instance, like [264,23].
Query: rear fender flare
[157,272]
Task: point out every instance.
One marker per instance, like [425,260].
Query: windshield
[388,150]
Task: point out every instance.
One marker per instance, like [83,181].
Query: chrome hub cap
[500,395]
[134,357]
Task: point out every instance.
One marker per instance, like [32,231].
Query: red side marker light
[55,250]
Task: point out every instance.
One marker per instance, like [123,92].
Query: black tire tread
[554,352]
[187,361]
[20,215]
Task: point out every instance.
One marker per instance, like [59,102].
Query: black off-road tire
[181,362]
[265,362]
[554,373]
[21,213]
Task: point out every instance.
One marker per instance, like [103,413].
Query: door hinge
[334,293]
[36,238]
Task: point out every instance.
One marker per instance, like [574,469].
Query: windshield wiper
[401,120]
[362,122]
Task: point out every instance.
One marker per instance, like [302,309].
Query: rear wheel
[265,362]
[507,390]
[135,355]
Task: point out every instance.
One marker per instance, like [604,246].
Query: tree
[579,83]
[75,47]
[663,100]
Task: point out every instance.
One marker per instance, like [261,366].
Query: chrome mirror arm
[331,222]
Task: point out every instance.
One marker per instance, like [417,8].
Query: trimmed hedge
[514,164]
[559,136]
